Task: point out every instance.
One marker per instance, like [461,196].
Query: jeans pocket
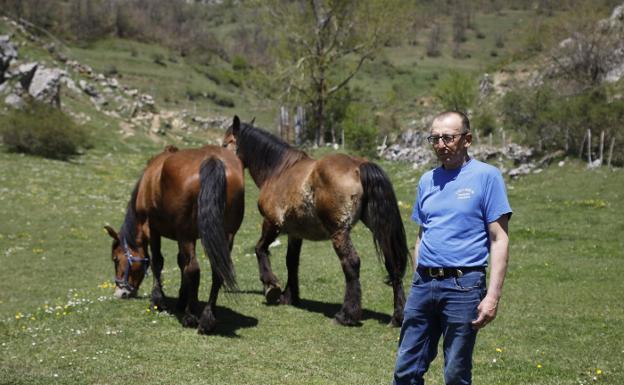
[469,282]
[416,279]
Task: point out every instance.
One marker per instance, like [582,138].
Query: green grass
[561,307]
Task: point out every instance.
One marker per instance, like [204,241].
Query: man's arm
[499,256]
[416,246]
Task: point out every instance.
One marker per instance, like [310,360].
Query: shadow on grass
[330,309]
[228,321]
[326,308]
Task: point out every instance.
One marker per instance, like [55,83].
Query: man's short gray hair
[465,128]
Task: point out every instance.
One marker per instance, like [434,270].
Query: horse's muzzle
[122,293]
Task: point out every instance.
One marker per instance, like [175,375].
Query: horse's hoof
[272,295]
[206,326]
[342,319]
[395,322]
[287,299]
[189,321]
[157,304]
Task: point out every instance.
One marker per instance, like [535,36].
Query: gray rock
[14,101]
[46,85]
[8,52]
[88,88]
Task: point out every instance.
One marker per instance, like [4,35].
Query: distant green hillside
[219,64]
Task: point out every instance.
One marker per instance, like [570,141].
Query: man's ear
[112,233]
[468,139]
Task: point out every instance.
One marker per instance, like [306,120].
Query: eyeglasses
[433,139]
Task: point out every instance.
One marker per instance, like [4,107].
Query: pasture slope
[561,320]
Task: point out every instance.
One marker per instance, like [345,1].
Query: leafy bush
[359,130]
[484,121]
[457,91]
[239,63]
[44,131]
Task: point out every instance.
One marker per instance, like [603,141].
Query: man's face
[450,145]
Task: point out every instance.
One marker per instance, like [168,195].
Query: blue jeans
[439,307]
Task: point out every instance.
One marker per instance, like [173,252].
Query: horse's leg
[272,289]
[189,268]
[157,263]
[351,311]
[208,321]
[399,301]
[290,296]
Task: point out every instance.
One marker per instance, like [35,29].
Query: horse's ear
[236,125]
[252,121]
[112,233]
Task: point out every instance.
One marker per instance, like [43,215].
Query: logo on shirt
[464,193]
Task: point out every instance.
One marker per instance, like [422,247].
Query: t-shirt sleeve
[416,213]
[496,203]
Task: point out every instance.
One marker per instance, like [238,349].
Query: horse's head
[230,140]
[131,265]
[231,134]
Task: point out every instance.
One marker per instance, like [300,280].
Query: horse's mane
[128,230]
[265,154]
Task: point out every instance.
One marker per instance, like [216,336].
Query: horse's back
[174,185]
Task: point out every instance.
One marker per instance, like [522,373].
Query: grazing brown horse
[182,195]
[318,200]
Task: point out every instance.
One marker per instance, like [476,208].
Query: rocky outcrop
[412,147]
[8,53]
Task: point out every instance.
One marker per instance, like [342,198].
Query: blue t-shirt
[454,208]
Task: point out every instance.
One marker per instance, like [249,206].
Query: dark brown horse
[317,200]
[182,195]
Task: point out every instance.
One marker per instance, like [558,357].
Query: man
[462,210]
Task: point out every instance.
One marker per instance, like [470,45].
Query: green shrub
[359,130]
[44,131]
[457,91]
[221,100]
[239,63]
[484,121]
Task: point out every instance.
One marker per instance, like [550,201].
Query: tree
[323,43]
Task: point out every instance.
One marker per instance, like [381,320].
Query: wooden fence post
[589,160]
[284,124]
[602,134]
[611,151]
[299,125]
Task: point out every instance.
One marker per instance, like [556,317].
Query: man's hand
[486,312]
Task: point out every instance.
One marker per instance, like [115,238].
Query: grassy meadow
[561,320]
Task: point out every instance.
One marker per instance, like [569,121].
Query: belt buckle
[436,272]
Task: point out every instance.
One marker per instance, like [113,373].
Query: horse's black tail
[210,222]
[382,216]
